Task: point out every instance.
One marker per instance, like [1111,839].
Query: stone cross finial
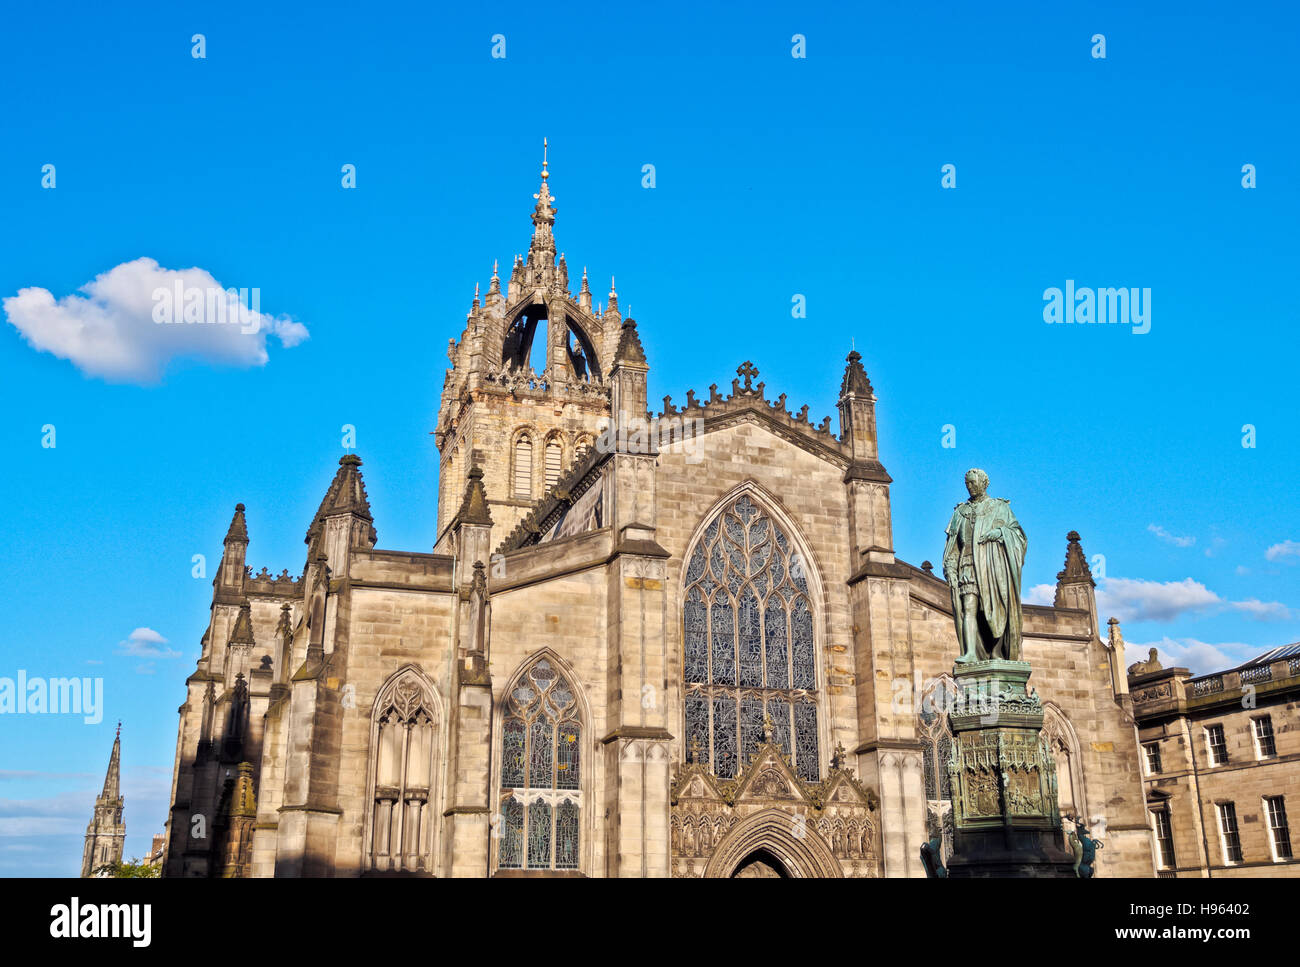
[748,370]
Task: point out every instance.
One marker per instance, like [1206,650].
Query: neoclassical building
[644,644]
[1221,756]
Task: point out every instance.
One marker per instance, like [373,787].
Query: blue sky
[775,176]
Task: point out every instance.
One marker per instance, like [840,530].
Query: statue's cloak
[998,566]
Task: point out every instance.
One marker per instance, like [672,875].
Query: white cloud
[1044,594]
[1285,549]
[146,643]
[1262,610]
[1174,539]
[110,331]
[1200,657]
[1132,599]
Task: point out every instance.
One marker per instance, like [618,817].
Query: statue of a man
[981,563]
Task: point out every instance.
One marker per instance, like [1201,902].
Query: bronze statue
[982,561]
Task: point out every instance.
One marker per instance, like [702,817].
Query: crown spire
[541,253]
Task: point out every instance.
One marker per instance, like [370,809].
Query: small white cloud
[1169,538]
[1044,594]
[113,332]
[146,643]
[1262,610]
[1216,544]
[1286,549]
[1242,570]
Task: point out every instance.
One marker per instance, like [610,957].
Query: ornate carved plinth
[1005,816]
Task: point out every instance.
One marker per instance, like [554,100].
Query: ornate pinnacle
[1076,570]
[238,530]
[855,382]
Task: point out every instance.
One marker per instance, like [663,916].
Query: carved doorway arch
[793,843]
[760,865]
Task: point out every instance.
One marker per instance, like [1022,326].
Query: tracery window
[524,468]
[749,661]
[541,764]
[402,776]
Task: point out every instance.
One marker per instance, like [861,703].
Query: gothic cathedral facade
[646,645]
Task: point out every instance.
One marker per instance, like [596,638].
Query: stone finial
[748,371]
[1076,570]
[238,530]
[927,567]
[838,758]
[584,292]
[855,383]
[629,345]
[474,505]
[242,634]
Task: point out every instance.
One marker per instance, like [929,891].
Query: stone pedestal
[1005,816]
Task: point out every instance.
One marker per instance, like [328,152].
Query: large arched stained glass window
[749,663]
[540,773]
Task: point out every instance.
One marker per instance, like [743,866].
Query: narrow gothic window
[541,765]
[524,468]
[554,461]
[933,730]
[402,823]
[749,659]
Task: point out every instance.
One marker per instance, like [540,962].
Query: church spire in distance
[113,778]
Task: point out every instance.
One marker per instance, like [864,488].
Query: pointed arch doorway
[760,865]
[775,838]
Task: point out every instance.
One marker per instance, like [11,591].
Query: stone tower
[106,834]
[522,426]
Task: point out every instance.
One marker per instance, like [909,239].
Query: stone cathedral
[644,644]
